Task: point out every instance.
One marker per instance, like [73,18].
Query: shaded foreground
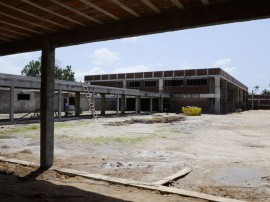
[22,183]
[228,154]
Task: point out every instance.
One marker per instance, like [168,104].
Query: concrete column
[161,104]
[252,100]
[47,105]
[259,103]
[94,97]
[103,103]
[138,104]
[11,104]
[160,85]
[59,103]
[217,95]
[123,104]
[117,104]
[125,84]
[77,103]
[151,105]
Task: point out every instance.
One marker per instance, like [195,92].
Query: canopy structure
[30,25]
[24,23]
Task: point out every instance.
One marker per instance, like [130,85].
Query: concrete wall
[32,105]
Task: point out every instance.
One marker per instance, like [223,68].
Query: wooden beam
[205,2]
[33,15]
[126,8]
[152,6]
[94,6]
[10,36]
[213,14]
[181,173]
[4,39]
[27,22]
[21,27]
[178,4]
[12,31]
[51,12]
[76,11]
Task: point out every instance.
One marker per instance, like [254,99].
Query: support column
[151,105]
[77,103]
[160,85]
[117,104]
[47,105]
[123,104]
[217,95]
[94,97]
[125,84]
[161,104]
[102,103]
[252,100]
[138,104]
[59,103]
[12,100]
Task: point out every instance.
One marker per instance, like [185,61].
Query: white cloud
[222,62]
[134,39]
[10,64]
[103,57]
[225,64]
[185,65]
[79,75]
[134,68]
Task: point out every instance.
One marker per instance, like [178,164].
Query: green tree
[265,92]
[33,68]
[256,88]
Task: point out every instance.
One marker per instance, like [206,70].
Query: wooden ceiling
[23,23]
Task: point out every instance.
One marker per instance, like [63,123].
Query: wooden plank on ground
[181,173]
[154,187]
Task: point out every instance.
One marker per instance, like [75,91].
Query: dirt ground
[228,154]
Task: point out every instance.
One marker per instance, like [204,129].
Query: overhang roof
[24,23]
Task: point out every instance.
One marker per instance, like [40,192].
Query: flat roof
[180,74]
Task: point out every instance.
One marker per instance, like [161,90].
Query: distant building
[212,89]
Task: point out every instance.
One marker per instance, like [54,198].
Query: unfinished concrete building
[212,89]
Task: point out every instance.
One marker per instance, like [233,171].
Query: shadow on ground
[14,188]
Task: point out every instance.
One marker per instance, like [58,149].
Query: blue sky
[241,49]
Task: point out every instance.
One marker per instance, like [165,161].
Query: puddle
[239,176]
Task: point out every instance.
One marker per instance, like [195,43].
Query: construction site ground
[228,155]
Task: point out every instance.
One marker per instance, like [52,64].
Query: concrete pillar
[217,95]
[94,97]
[123,104]
[117,104]
[160,85]
[59,103]
[138,104]
[259,103]
[252,100]
[151,105]
[11,104]
[77,103]
[125,84]
[161,104]
[102,103]
[47,105]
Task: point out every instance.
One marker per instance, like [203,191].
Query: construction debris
[154,119]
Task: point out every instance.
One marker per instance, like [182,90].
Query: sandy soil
[228,154]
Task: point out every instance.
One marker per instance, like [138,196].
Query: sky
[241,49]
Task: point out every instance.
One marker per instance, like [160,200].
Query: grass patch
[131,140]
[22,129]
[5,136]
